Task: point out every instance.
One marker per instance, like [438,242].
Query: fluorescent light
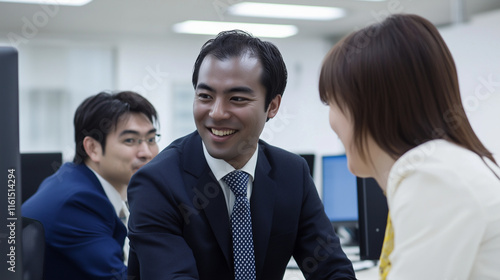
[256,29]
[253,9]
[51,2]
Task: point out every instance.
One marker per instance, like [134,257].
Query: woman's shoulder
[441,167]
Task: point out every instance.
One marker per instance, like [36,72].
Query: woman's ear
[93,148]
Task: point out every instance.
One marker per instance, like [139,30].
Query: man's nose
[219,110]
[145,150]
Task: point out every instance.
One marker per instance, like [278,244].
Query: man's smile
[222,132]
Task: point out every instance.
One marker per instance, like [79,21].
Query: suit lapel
[120,230]
[215,209]
[210,195]
[262,207]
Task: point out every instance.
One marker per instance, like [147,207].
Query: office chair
[33,247]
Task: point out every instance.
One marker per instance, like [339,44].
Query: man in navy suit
[180,226]
[79,206]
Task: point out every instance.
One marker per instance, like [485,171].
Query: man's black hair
[100,113]
[235,43]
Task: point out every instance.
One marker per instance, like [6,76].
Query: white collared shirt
[221,168]
[113,195]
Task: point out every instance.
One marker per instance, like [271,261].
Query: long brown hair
[398,82]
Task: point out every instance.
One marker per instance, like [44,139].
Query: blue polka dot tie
[241,226]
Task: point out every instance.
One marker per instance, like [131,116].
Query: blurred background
[68,52]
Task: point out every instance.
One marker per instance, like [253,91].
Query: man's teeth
[222,132]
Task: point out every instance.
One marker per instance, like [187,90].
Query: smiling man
[220,203]
[229,107]
[83,205]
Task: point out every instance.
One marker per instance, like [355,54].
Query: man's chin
[217,153]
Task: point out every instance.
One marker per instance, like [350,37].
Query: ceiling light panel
[252,9]
[51,2]
[256,29]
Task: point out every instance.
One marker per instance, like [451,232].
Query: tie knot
[237,182]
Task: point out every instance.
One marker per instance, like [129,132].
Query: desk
[371,273]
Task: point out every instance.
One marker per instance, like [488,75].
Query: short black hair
[234,43]
[100,113]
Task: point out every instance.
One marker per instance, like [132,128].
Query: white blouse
[445,208]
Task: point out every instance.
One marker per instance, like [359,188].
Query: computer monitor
[35,167]
[310,162]
[357,204]
[339,191]
[372,218]
[10,202]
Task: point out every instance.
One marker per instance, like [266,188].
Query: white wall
[475,46]
[53,80]
[161,69]
[158,70]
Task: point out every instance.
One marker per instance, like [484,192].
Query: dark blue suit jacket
[84,236]
[179,225]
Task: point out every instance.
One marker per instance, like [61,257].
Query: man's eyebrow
[204,86]
[242,89]
[135,132]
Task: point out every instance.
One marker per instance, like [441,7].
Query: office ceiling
[154,18]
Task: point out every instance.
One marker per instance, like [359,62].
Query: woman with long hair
[395,104]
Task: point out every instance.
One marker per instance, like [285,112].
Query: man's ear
[274,106]
[93,148]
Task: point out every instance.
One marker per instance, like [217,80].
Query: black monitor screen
[372,218]
[310,162]
[339,191]
[35,167]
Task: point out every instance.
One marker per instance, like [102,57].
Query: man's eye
[204,96]
[238,98]
[151,140]
[130,141]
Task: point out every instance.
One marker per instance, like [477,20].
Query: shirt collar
[221,168]
[112,194]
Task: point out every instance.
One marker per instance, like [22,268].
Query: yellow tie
[385,264]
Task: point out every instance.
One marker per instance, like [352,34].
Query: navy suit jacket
[84,236]
[179,226]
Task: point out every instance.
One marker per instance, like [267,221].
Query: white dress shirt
[221,168]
